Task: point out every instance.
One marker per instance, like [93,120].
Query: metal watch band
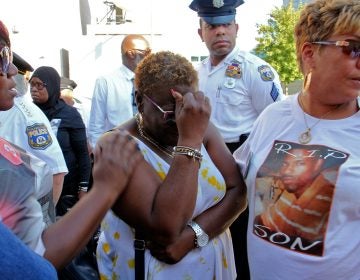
[201,238]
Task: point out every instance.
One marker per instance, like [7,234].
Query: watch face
[202,240]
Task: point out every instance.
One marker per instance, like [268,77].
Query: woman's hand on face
[115,156]
[192,115]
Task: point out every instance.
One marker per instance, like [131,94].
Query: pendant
[305,137]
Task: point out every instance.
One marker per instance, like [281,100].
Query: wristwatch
[201,238]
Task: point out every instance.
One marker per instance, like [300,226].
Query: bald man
[113,99]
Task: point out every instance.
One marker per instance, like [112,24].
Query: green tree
[276,43]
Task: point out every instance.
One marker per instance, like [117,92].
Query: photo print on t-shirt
[293,195]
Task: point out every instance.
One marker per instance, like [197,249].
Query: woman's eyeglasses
[349,47]
[38,85]
[167,115]
[5,59]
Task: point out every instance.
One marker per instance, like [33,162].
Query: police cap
[21,64]
[216,11]
[66,83]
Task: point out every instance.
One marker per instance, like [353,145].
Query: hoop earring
[140,117]
[307,81]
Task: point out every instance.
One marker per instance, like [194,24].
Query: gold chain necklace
[305,137]
[148,138]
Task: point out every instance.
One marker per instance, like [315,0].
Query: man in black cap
[67,87]
[239,85]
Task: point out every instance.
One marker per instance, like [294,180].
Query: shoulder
[251,59]
[274,113]
[201,64]
[258,67]
[71,113]
[15,113]
[32,111]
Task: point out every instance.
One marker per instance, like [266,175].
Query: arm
[98,111]
[161,209]
[115,158]
[218,218]
[58,180]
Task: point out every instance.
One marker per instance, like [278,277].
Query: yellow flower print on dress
[117,235]
[106,248]
[103,277]
[225,264]
[131,263]
[160,171]
[212,180]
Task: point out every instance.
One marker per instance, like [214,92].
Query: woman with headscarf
[70,131]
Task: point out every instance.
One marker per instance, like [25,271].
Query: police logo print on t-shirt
[266,73]
[294,192]
[39,137]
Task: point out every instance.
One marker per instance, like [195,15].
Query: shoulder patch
[266,73]
[39,137]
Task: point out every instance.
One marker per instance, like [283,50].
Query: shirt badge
[218,3]
[266,73]
[229,82]
[39,137]
[234,70]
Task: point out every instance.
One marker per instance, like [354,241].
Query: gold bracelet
[187,151]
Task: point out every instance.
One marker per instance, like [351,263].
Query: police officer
[30,129]
[239,85]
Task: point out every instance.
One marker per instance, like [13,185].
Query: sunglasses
[5,59]
[38,85]
[143,52]
[167,115]
[349,47]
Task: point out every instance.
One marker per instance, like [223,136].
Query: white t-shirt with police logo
[26,126]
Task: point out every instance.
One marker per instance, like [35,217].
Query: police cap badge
[216,11]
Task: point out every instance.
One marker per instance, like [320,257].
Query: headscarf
[4,34]
[51,78]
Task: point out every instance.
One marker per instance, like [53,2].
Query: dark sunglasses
[143,52]
[38,85]
[167,115]
[349,47]
[5,59]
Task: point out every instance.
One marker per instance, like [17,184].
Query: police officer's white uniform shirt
[239,88]
[111,103]
[26,126]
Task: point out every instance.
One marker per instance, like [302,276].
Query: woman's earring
[141,120]
[307,81]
